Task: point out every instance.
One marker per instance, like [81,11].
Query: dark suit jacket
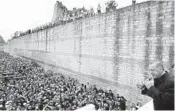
[162,92]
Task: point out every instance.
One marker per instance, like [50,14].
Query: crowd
[32,88]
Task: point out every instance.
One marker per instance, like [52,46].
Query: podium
[89,107]
[147,107]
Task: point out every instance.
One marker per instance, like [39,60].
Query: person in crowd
[138,105]
[133,107]
[122,101]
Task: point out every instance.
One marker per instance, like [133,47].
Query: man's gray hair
[159,64]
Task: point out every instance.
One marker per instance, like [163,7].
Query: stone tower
[59,11]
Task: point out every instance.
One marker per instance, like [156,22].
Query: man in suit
[161,89]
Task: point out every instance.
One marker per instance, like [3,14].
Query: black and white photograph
[87,55]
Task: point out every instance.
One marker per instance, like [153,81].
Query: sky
[21,15]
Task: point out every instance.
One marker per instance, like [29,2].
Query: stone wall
[112,48]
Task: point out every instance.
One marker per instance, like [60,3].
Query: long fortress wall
[114,47]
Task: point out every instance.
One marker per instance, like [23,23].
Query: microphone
[142,85]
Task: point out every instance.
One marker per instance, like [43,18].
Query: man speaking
[161,89]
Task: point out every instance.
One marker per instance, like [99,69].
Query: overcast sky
[20,15]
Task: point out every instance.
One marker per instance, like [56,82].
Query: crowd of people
[31,88]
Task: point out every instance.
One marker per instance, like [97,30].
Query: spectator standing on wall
[133,2]
[99,9]
[74,13]
[107,6]
[92,11]
[114,5]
